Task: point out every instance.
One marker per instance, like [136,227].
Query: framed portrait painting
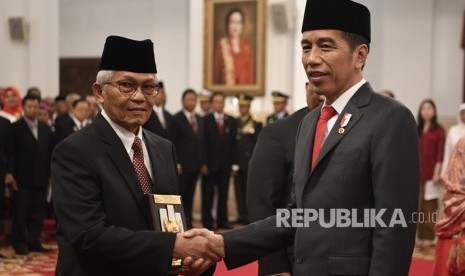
[234,58]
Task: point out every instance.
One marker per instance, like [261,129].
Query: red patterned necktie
[139,166]
[327,113]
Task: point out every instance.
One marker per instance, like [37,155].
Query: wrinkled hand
[195,265]
[191,267]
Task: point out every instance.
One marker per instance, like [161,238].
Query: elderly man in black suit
[100,176]
[189,148]
[29,164]
[356,164]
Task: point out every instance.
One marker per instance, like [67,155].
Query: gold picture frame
[234,57]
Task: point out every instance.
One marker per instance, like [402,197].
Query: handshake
[198,249]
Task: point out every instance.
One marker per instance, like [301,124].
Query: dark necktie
[139,166]
[327,113]
[193,123]
[219,125]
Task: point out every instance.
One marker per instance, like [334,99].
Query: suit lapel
[27,130]
[361,98]
[120,158]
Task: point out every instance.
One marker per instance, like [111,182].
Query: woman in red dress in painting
[234,61]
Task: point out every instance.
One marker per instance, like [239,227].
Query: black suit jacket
[189,147]
[220,149]
[5,127]
[153,124]
[270,181]
[373,164]
[102,218]
[29,160]
[64,126]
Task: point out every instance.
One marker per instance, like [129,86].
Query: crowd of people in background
[211,148]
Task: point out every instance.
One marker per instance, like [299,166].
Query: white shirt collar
[281,114]
[218,116]
[340,103]
[187,113]
[30,122]
[158,109]
[76,121]
[125,135]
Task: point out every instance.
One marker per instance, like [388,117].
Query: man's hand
[191,267]
[198,243]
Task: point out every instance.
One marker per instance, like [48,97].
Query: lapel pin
[344,122]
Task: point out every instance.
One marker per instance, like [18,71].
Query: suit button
[300,260]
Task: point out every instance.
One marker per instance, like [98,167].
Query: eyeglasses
[129,88]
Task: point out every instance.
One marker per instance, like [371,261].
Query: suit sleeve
[254,241]
[266,190]
[77,197]
[395,174]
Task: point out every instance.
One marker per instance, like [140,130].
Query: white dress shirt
[127,138]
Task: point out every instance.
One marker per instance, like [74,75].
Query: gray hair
[104,76]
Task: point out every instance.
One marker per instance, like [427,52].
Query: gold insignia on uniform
[341,130]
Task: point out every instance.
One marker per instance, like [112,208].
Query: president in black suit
[220,145]
[101,173]
[356,164]
[161,122]
[189,148]
[270,177]
[29,163]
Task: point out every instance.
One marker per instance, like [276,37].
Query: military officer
[247,134]
[279,105]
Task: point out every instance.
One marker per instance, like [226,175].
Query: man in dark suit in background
[356,164]
[73,121]
[279,106]
[29,164]
[247,133]
[161,121]
[100,176]
[220,145]
[189,148]
[5,127]
[270,177]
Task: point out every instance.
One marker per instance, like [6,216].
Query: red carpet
[44,263]
[418,268]
[421,268]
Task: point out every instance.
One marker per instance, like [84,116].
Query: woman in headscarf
[11,101]
[450,249]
